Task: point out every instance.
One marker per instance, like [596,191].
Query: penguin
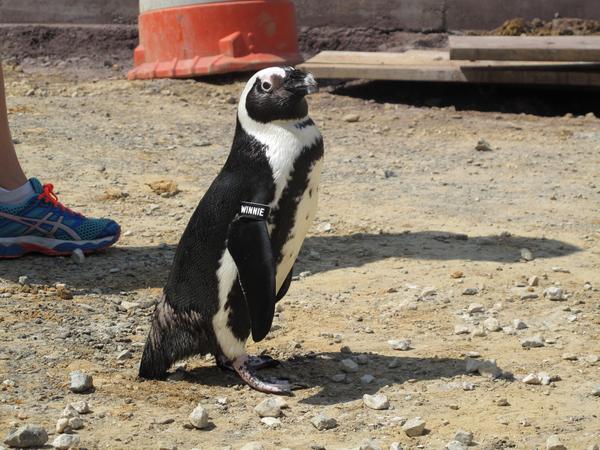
[235,258]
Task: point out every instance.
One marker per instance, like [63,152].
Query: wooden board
[430,65]
[526,48]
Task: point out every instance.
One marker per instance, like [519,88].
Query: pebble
[125,354]
[569,356]
[456,445]
[533,281]
[377,401]
[323,422]
[369,445]
[554,293]
[400,344]
[596,391]
[199,417]
[78,256]
[23,279]
[76,423]
[367,379]
[351,118]
[82,407]
[560,270]
[461,329]
[65,441]
[475,308]
[467,386]
[479,331]
[271,422]
[395,446]
[553,443]
[485,367]
[526,254]
[532,378]
[81,382]
[349,365]
[62,425]
[27,436]
[465,437]
[253,446]
[502,402]
[491,324]
[483,146]
[518,324]
[428,292]
[533,341]
[270,407]
[471,291]
[414,427]
[362,359]
[339,378]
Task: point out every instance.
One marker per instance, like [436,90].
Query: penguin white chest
[304,215]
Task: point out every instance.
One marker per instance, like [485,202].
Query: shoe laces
[49,196]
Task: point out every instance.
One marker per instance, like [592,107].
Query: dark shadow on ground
[316,370]
[148,267]
[538,100]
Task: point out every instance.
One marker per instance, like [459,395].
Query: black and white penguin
[235,258]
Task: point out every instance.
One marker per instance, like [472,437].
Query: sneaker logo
[36,225]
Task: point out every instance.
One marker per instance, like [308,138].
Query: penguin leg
[247,373]
[254,362]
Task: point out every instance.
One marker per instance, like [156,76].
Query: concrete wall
[392,14]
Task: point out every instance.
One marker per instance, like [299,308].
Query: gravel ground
[425,278]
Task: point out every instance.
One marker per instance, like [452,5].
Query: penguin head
[277,93]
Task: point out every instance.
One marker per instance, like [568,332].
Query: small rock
[323,422]
[339,378]
[395,446]
[532,378]
[65,441]
[75,423]
[362,359]
[349,365]
[467,386]
[596,391]
[470,291]
[456,445]
[367,378]
[569,356]
[533,281]
[81,382]
[199,417]
[491,324]
[457,274]
[483,146]
[502,402]
[125,354]
[554,293]
[518,324]
[465,437]
[553,443]
[560,270]
[428,292]
[270,407]
[23,279]
[475,308]
[253,446]
[271,422]
[526,254]
[479,331]
[369,445]
[400,344]
[485,367]
[461,329]
[27,436]
[78,256]
[414,427]
[533,341]
[62,425]
[164,188]
[351,118]
[377,401]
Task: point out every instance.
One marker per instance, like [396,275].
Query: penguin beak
[301,83]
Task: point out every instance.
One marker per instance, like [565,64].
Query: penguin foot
[254,362]
[244,368]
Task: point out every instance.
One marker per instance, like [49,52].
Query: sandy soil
[406,203]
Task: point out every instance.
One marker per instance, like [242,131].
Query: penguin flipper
[250,247]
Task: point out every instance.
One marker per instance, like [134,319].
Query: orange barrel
[187,38]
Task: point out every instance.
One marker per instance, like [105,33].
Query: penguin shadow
[323,371]
[330,252]
[129,268]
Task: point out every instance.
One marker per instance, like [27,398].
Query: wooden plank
[526,48]
[425,65]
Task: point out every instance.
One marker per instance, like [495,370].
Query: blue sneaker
[42,224]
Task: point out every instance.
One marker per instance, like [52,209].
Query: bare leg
[11,175]
[247,373]
[254,362]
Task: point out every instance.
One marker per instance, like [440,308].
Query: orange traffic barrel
[187,38]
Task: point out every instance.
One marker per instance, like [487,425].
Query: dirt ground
[411,216]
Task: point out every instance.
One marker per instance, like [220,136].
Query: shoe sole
[15,247]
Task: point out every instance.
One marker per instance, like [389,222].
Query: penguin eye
[266,86]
